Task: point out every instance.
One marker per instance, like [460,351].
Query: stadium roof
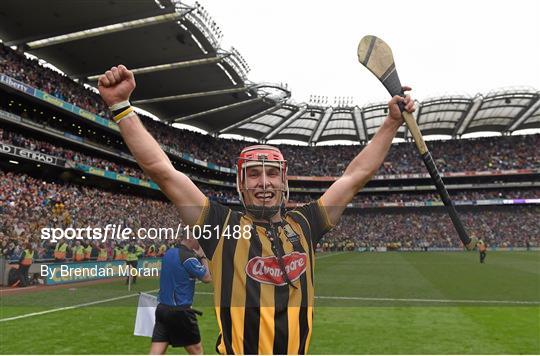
[184,76]
[500,111]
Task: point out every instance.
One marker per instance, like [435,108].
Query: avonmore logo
[266,269]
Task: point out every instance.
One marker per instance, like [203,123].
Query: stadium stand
[479,154]
[19,140]
[15,64]
[481,194]
[512,152]
[414,230]
[30,200]
[29,204]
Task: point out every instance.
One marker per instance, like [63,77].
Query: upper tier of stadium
[184,76]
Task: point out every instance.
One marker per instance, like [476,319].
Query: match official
[133,252]
[176,323]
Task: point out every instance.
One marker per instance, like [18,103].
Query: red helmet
[258,155]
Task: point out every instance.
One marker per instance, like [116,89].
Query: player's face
[265,186]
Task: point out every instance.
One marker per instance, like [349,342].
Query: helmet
[261,155]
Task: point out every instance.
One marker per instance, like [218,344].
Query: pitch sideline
[75,306]
[331,255]
[418,300]
[411,300]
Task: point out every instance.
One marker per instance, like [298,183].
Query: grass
[398,303]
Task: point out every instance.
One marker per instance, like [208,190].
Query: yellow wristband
[123,114]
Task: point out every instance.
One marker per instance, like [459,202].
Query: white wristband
[119,105]
[125,117]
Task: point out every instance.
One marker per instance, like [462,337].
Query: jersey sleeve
[194,267]
[316,216]
[213,214]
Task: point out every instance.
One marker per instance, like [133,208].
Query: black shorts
[176,325]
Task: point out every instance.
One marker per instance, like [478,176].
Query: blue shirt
[179,269]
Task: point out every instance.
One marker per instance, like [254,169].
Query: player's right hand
[116,85]
[394,112]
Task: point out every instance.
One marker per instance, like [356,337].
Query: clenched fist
[116,85]
[394,111]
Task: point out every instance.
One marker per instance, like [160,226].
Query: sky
[440,47]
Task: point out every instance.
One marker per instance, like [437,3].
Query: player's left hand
[394,112]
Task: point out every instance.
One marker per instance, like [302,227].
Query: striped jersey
[263,280]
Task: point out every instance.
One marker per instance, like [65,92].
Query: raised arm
[115,87]
[366,163]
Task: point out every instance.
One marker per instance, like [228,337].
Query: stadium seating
[513,152]
[28,204]
[19,140]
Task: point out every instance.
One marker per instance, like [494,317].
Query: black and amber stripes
[256,317]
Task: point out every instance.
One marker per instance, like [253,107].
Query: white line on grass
[418,300]
[329,255]
[471,301]
[74,306]
[414,300]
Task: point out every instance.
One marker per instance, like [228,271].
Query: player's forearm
[147,152]
[368,161]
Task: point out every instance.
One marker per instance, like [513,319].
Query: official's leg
[158,348]
[135,264]
[195,349]
[160,334]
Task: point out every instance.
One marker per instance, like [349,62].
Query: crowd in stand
[480,194]
[19,140]
[204,147]
[480,154]
[27,205]
[502,227]
[225,195]
[228,195]
[16,65]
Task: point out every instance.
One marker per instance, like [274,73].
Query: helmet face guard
[263,156]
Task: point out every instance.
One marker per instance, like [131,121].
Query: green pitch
[369,303]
